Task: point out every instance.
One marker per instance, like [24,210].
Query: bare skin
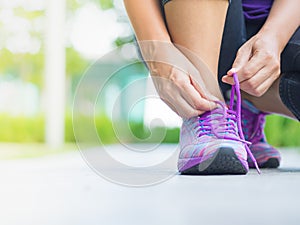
[258,60]
[195,25]
[177,80]
[270,101]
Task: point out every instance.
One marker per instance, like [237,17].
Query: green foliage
[124,40]
[172,135]
[72,5]
[75,63]
[30,15]
[20,129]
[157,134]
[106,4]
[29,67]
[141,134]
[27,130]
[105,130]
[282,131]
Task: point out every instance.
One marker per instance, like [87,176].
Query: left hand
[257,64]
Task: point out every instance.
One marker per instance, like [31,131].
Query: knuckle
[166,90]
[251,84]
[247,72]
[197,105]
[257,93]
[277,66]
[177,80]
[267,55]
[240,51]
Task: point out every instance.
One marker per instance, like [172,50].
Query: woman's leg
[270,101]
[198,26]
[209,143]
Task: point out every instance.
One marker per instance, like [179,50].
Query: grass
[280,132]
[28,135]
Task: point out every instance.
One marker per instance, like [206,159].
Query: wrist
[276,34]
[152,50]
[147,35]
[272,35]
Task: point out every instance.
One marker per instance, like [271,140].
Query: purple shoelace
[225,128]
[236,91]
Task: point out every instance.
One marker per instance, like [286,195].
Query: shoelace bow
[226,122]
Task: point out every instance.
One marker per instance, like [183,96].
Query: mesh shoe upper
[253,122]
[202,136]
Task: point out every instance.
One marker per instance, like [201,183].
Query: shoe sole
[271,163]
[224,162]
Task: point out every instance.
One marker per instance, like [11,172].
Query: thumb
[242,57]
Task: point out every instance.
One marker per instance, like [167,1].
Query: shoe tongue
[215,113]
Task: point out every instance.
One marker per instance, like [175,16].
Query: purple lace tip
[257,168]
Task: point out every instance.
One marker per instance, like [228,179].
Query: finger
[263,87]
[184,85]
[242,57]
[232,71]
[258,84]
[179,105]
[192,96]
[228,79]
[256,63]
[202,77]
[252,67]
[202,90]
[170,92]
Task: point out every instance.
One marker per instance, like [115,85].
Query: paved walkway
[63,190]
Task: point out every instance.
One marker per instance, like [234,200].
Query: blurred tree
[28,67]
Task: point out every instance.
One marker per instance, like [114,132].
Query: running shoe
[253,122]
[213,143]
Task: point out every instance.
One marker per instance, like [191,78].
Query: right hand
[176,79]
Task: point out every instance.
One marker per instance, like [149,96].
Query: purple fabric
[256,10]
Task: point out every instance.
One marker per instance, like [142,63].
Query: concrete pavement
[64,190]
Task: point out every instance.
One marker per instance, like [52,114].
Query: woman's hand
[177,81]
[257,64]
